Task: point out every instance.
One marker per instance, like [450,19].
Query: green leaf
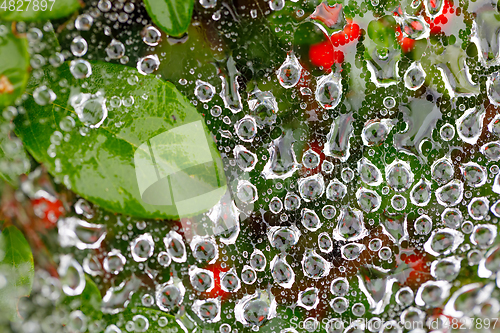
[14,64]
[17,270]
[156,321]
[172,16]
[382,31]
[151,157]
[27,10]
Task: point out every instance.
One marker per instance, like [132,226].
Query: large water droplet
[450,194]
[399,175]
[76,232]
[314,266]
[312,187]
[43,95]
[350,225]
[470,125]
[289,72]
[90,109]
[414,76]
[204,91]
[282,272]
[369,173]
[443,242]
[329,91]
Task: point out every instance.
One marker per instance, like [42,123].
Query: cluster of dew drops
[341,237]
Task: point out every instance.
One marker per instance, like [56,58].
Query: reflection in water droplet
[43,95]
[289,72]
[79,46]
[470,125]
[204,91]
[329,91]
[115,49]
[414,76]
[91,109]
[151,35]
[148,64]
[80,68]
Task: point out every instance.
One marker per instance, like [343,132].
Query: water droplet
[420,194]
[308,298]
[446,269]
[398,202]
[450,194]
[245,159]
[208,4]
[310,220]
[478,208]
[282,162]
[443,241]
[255,310]
[71,275]
[151,35]
[276,4]
[230,281]
[104,5]
[43,95]
[423,225]
[442,170]
[114,262]
[325,243]
[148,64]
[433,8]
[314,266]
[283,238]
[351,251]
[90,109]
[204,91]
[491,151]
[432,293]
[246,192]
[258,260]
[246,129]
[329,91]
[350,226]
[369,173]
[335,190]
[452,218]
[368,200]
[175,246]
[80,68]
[79,46]
[447,132]
[169,295]
[414,76]
[311,188]
[142,247]
[289,72]
[310,159]
[474,174]
[204,250]
[207,310]
[84,22]
[248,275]
[201,279]
[470,125]
[115,49]
[399,175]
[376,131]
[76,232]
